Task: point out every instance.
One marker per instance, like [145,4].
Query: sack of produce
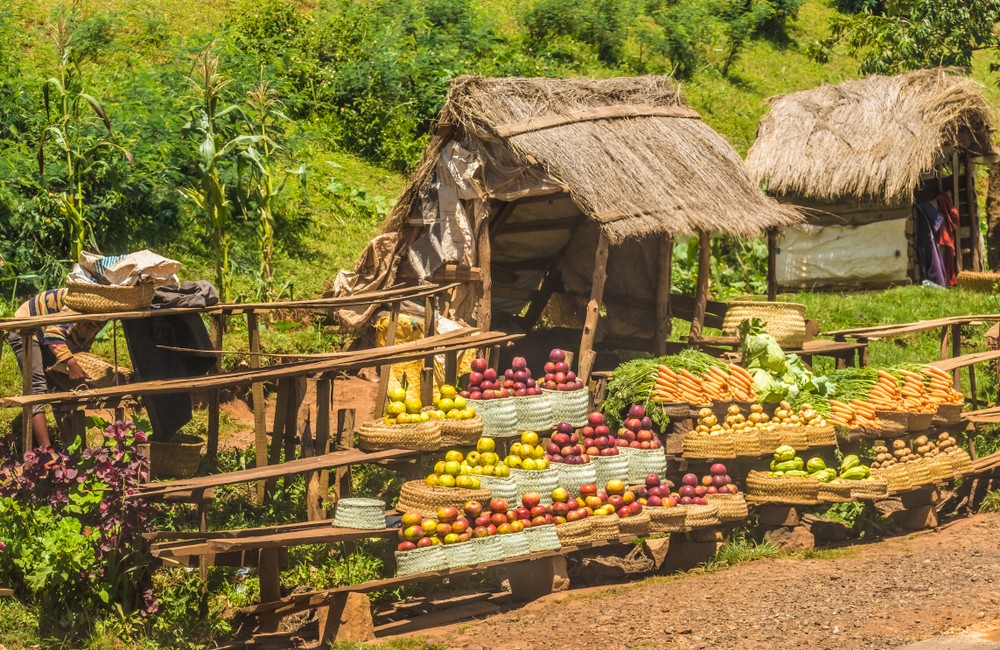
[604,527]
[569,405]
[421,560]
[499,417]
[488,549]
[417,496]
[515,544]
[376,435]
[542,481]
[534,413]
[643,462]
[609,468]
[355,512]
[459,555]
[543,538]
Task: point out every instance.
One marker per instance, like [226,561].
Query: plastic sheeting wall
[816,256]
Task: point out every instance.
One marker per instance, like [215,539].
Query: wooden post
[977,235]
[292,416]
[587,354]
[944,342]
[772,261]
[257,400]
[386,370]
[701,290]
[278,427]
[269,572]
[27,359]
[315,493]
[956,351]
[427,373]
[954,197]
[663,282]
[345,434]
[450,367]
[212,444]
[484,315]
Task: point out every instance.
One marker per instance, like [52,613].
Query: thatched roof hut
[872,147]
[524,179]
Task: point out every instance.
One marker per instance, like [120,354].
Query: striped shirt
[65,338]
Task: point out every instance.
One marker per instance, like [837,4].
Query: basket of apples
[698,511]
[510,524]
[720,491]
[450,485]
[491,400]
[420,549]
[604,449]
[665,514]
[569,458]
[539,523]
[404,425]
[529,466]
[632,520]
[534,412]
[485,536]
[572,517]
[644,451]
[567,394]
[460,424]
[491,470]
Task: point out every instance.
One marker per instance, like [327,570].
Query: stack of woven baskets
[417,496]
[376,435]
[792,490]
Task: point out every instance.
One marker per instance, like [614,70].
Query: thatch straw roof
[869,138]
[629,153]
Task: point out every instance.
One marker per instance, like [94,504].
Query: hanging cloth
[928,255]
[947,236]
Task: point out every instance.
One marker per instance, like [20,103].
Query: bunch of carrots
[942,389]
[853,415]
[715,385]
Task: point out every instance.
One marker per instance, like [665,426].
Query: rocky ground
[882,595]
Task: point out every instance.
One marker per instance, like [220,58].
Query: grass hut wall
[563,196]
[859,158]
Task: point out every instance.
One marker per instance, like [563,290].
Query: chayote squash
[849,462]
[815,464]
[858,473]
[783,453]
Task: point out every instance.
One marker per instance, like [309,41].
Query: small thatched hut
[543,193]
[870,162]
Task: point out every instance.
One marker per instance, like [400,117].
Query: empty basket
[785,321]
[354,512]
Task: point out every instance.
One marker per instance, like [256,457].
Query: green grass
[738,549]
[991,502]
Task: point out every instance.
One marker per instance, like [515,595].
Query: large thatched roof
[869,138]
[629,153]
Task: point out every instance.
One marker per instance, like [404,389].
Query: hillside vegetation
[350,90]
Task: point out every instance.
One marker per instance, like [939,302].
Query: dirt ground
[880,595]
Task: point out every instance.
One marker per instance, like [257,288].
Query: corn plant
[71,128]
[207,128]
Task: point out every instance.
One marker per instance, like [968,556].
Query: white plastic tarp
[830,255]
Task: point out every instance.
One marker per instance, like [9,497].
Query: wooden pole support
[345,436]
[772,263]
[587,354]
[257,399]
[959,262]
[956,351]
[663,282]
[212,444]
[27,360]
[701,290]
[484,315]
[315,489]
[386,370]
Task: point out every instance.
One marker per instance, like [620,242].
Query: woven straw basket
[870,489]
[356,512]
[101,373]
[919,473]
[732,507]
[699,516]
[791,490]
[534,413]
[699,446]
[574,533]
[948,414]
[417,496]
[793,436]
[459,555]
[461,433]
[638,525]
[961,462]
[103,298]
[376,435]
[605,527]
[785,321]
[940,468]
[769,440]
[896,477]
[839,492]
[676,410]
[543,538]
[918,422]
[542,481]
[180,457]
[666,520]
[421,560]
[488,549]
[499,417]
[609,468]
[514,544]
[892,423]
[500,487]
[569,405]
[746,444]
[978,281]
[572,477]
[642,462]
[820,436]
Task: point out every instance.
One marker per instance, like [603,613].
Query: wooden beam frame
[704,279]
[587,354]
[772,261]
[664,280]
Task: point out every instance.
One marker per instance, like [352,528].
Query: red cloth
[946,237]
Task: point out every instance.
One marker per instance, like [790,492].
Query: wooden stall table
[845,353]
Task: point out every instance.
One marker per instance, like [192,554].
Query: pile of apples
[592,502]
[504,519]
[484,461]
[564,446]
[483,382]
[404,410]
[449,404]
[598,439]
[558,376]
[655,493]
[527,454]
[448,526]
[518,379]
[455,471]
[638,430]
[694,490]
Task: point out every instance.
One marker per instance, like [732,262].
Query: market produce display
[456,471]
[482,461]
[708,423]
[776,376]
[484,383]
[449,526]
[565,447]
[637,431]
[596,437]
[401,409]
[558,376]
[450,405]
[527,454]
[655,494]
[517,379]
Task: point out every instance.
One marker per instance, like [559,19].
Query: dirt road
[881,595]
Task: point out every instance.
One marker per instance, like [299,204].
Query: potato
[898,444]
